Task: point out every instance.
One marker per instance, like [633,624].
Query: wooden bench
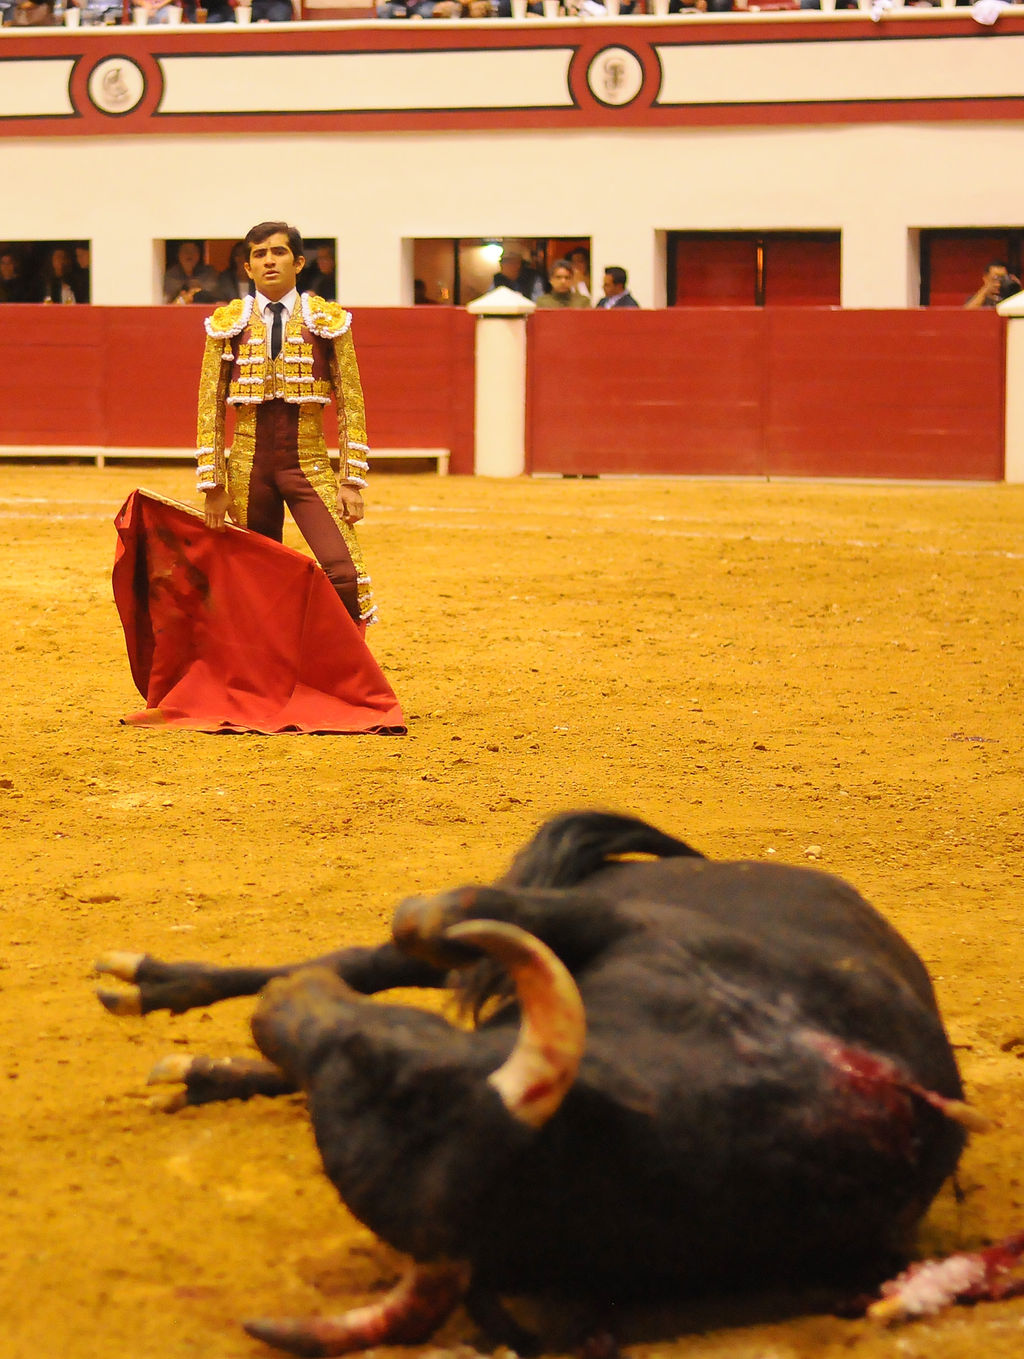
[101,456]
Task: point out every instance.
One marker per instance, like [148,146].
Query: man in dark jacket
[615,293]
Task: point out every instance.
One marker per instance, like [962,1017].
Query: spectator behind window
[233,282]
[615,292]
[13,286]
[319,276]
[997,284]
[83,267]
[516,274]
[62,281]
[562,294]
[189,280]
[579,260]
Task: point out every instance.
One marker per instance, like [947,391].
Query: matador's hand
[218,503]
[350,503]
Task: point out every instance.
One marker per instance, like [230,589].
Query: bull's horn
[542,1066]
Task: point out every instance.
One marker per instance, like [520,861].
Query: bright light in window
[491,251]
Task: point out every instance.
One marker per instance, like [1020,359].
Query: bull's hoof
[121,1003]
[204,1080]
[125,967]
[119,964]
[172,1070]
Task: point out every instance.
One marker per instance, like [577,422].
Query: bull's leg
[174,986]
[573,925]
[155,985]
[421,1301]
[201,1080]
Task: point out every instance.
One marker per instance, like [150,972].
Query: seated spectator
[562,294]
[190,280]
[272,12]
[206,11]
[518,276]
[319,277]
[33,14]
[212,12]
[615,292]
[443,9]
[157,11]
[233,282]
[13,287]
[97,12]
[997,284]
[405,9]
[62,282]
[419,294]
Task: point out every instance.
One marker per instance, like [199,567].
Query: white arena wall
[908,149]
[876,184]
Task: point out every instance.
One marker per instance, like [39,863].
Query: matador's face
[273,267]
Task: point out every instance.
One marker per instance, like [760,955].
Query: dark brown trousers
[277,480]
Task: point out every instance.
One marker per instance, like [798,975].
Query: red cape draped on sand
[234,632]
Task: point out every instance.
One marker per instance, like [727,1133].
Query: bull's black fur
[572,847]
[704,1143]
[566,851]
[708,1142]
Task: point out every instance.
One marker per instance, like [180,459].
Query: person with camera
[997,284]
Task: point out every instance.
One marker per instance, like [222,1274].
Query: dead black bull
[686,1076]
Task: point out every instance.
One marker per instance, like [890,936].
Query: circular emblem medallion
[116,85]
[615,76]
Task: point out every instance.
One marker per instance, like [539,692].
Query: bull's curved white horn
[542,1066]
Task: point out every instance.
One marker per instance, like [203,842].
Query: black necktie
[275,330]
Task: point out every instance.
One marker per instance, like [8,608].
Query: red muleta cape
[234,632]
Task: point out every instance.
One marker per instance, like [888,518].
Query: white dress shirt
[262,304]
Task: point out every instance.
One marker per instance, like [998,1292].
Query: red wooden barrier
[800,392]
[885,394]
[126,377]
[778,391]
[417,368]
[645,391]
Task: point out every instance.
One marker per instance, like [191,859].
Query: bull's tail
[574,846]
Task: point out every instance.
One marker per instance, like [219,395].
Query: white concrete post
[500,444]
[1013,468]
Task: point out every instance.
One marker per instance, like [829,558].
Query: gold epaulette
[326,319]
[231,320]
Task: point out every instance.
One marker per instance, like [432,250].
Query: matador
[278,359]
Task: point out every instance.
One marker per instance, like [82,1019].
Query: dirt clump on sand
[827,674]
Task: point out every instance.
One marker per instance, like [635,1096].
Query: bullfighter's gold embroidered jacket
[317,361]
